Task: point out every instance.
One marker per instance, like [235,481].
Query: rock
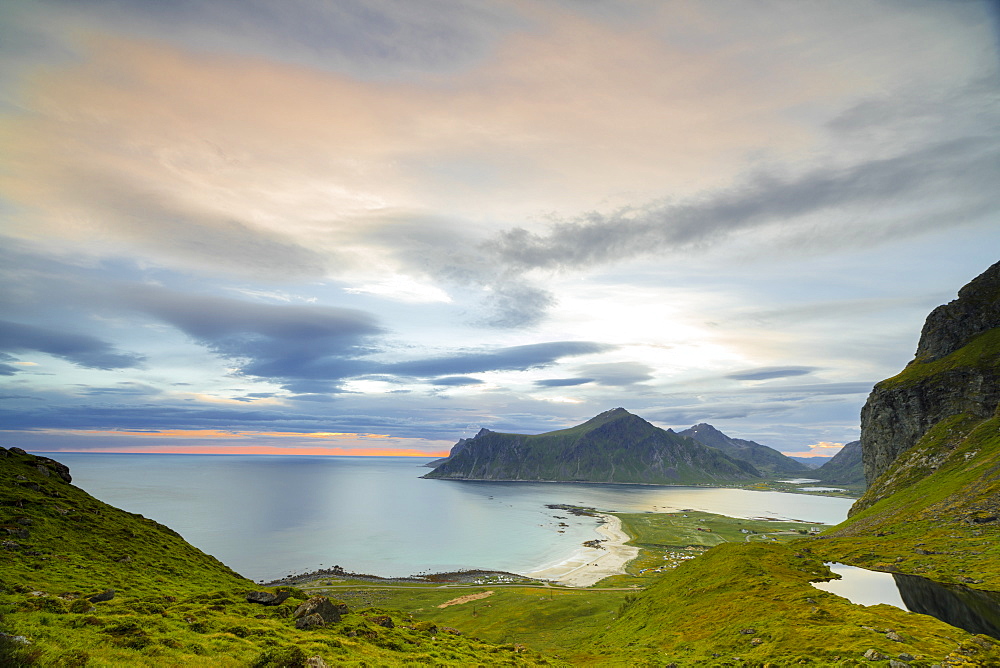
[321,606]
[18,451]
[906,657]
[893,663]
[756,641]
[897,415]
[105,595]
[893,636]
[449,630]
[310,621]
[267,598]
[873,655]
[316,662]
[382,620]
[748,632]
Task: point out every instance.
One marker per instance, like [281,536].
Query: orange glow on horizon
[219,433]
[260,450]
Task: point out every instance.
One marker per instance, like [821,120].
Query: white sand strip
[589,565]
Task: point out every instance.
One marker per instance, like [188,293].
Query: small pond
[975,610]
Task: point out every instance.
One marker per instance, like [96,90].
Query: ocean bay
[270,516]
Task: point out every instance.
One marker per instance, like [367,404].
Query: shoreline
[589,565]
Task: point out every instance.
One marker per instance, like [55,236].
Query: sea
[268,517]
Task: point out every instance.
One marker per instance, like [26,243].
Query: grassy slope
[933,524]
[709,610]
[936,511]
[174,605]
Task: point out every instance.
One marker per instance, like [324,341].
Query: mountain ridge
[762,457]
[612,447]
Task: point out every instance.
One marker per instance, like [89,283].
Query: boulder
[874,655]
[267,598]
[322,606]
[309,622]
[105,595]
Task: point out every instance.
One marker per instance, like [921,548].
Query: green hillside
[615,446]
[171,605]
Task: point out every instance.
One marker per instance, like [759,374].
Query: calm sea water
[269,516]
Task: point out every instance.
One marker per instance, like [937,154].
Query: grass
[173,605]
[982,352]
[754,601]
[941,518]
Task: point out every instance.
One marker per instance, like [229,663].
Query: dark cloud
[563,382]
[456,381]
[960,172]
[308,346]
[80,349]
[515,358]
[123,389]
[766,373]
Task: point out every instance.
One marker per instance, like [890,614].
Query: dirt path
[465,599]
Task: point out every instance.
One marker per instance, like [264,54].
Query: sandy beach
[589,565]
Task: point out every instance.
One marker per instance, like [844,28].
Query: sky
[374,227]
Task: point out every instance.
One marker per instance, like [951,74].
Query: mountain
[615,446]
[930,445]
[766,460]
[930,439]
[83,583]
[844,468]
[811,462]
[455,449]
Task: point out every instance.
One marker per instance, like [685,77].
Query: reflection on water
[862,586]
[974,610]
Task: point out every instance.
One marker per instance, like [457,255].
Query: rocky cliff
[955,372]
[765,459]
[930,439]
[615,446]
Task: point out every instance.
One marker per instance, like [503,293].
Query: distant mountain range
[615,446]
[766,460]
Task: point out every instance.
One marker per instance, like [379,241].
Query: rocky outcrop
[267,598]
[955,371]
[763,458]
[952,325]
[455,449]
[614,447]
[318,611]
[47,467]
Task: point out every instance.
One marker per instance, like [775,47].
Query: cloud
[378,40]
[767,373]
[821,449]
[80,349]
[305,345]
[617,374]
[563,382]
[514,358]
[454,381]
[958,172]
